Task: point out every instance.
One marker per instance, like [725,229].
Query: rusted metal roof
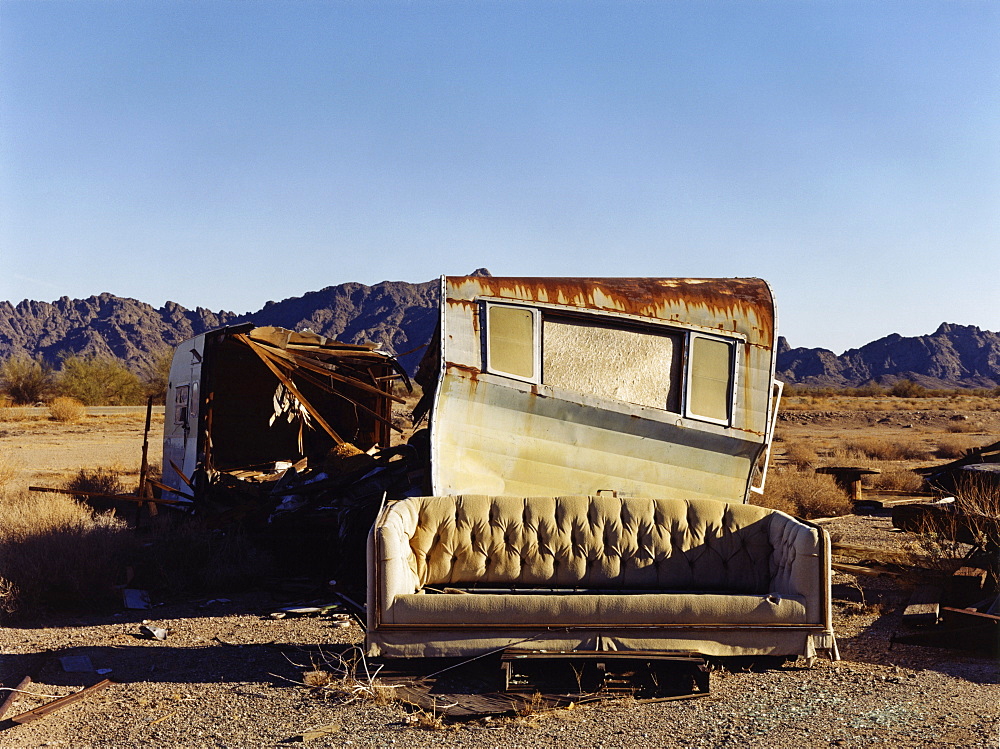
[734,304]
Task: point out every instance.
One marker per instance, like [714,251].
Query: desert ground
[229,675]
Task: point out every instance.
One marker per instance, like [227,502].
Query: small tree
[156,375]
[907,389]
[99,381]
[24,379]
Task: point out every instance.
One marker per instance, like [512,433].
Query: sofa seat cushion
[583,609]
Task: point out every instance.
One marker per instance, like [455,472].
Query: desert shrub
[55,555]
[943,537]
[804,494]
[908,389]
[100,480]
[156,375]
[801,455]
[25,380]
[950,448]
[880,448]
[963,427]
[99,381]
[66,409]
[897,480]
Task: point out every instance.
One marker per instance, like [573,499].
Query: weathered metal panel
[496,435]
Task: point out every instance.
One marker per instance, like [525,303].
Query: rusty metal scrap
[9,699]
[59,704]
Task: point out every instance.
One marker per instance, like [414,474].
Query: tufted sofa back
[591,542]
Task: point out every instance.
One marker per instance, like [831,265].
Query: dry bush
[99,480]
[801,455]
[897,480]
[950,448]
[55,554]
[66,409]
[346,677]
[964,427]
[944,538]
[880,448]
[804,494]
[976,496]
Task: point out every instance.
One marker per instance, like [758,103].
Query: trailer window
[511,341]
[181,401]
[710,378]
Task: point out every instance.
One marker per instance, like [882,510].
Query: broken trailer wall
[228,389]
[644,387]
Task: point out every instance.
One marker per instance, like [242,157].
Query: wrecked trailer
[594,444]
[264,424]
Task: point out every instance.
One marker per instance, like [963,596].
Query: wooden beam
[287,382]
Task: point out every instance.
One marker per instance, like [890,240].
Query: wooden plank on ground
[924,606]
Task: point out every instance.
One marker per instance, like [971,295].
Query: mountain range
[401,317]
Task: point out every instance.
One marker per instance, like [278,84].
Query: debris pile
[291,439]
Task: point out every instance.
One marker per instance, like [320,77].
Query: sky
[221,154]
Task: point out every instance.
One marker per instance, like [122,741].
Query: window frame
[536,342]
[689,363]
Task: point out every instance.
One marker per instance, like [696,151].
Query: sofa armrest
[798,562]
[391,565]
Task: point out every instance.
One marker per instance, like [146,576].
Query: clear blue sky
[222,154]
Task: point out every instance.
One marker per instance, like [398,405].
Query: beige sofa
[459,576]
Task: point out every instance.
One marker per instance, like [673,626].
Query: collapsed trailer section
[250,402]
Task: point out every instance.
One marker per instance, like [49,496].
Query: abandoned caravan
[583,483]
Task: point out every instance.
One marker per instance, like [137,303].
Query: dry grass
[964,427]
[950,448]
[897,479]
[16,414]
[10,467]
[67,409]
[881,448]
[346,678]
[60,554]
[55,554]
[804,494]
[801,455]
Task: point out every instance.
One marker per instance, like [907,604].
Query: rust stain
[727,298]
[471,373]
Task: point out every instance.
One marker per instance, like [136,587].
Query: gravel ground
[219,680]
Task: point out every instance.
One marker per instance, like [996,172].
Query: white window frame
[733,372]
[536,343]
[776,388]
